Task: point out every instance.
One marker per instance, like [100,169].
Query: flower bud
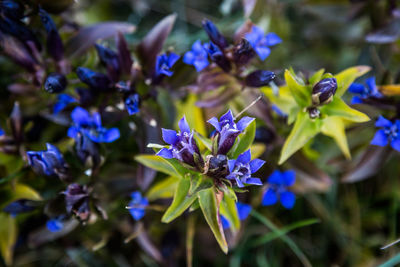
[218,56]
[55,83]
[217,166]
[324,91]
[110,60]
[214,35]
[77,201]
[243,53]
[259,78]
[95,80]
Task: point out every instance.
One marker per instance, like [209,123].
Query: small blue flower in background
[90,125]
[364,92]
[243,212]
[182,144]
[243,167]
[261,43]
[132,104]
[47,162]
[138,205]
[63,100]
[2,132]
[390,133]
[278,183]
[19,206]
[54,225]
[197,57]
[228,130]
[165,62]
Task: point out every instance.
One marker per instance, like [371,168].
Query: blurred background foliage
[354,219]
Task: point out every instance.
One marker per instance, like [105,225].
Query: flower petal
[287,199]
[165,153]
[169,136]
[80,116]
[214,122]
[356,100]
[110,135]
[243,123]
[289,177]
[231,164]
[263,52]
[269,197]
[396,144]
[256,164]
[272,39]
[245,157]
[356,88]
[228,116]
[183,125]
[254,181]
[225,223]
[276,178]
[380,138]
[383,122]
[243,210]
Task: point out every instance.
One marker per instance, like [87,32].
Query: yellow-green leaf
[346,78]
[257,150]
[193,113]
[316,77]
[301,93]
[339,108]
[283,100]
[230,212]
[8,237]
[244,140]
[158,163]
[334,127]
[163,189]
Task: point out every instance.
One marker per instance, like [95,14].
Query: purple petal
[272,39]
[244,122]
[256,164]
[287,199]
[289,177]
[382,122]
[380,138]
[254,181]
[231,164]
[239,182]
[165,153]
[183,125]
[263,52]
[169,136]
[245,157]
[214,122]
[269,197]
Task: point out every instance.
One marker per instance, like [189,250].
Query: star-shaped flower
[279,181]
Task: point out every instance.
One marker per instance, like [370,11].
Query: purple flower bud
[259,78]
[77,201]
[323,91]
[96,80]
[87,150]
[55,83]
[55,46]
[214,35]
[19,31]
[218,56]
[110,59]
[217,166]
[19,206]
[243,53]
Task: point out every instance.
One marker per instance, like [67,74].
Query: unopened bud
[324,91]
[259,78]
[55,83]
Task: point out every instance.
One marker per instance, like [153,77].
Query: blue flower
[132,104]
[278,183]
[2,132]
[19,206]
[243,212]
[182,145]
[54,225]
[48,162]
[137,206]
[227,130]
[164,64]
[390,133]
[197,57]
[261,43]
[63,100]
[241,169]
[90,126]
[217,56]
[364,92]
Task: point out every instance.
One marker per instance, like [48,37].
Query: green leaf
[182,200]
[230,212]
[334,127]
[203,140]
[339,108]
[283,100]
[301,93]
[193,113]
[257,150]
[316,77]
[159,164]
[346,78]
[199,182]
[303,130]
[210,208]
[244,140]
[163,189]
[15,192]
[8,237]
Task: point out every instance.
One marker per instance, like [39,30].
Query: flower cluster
[277,190]
[389,134]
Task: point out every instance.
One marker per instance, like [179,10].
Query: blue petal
[136,197]
[380,138]
[80,116]
[189,58]
[356,100]
[239,182]
[272,39]
[263,52]
[110,135]
[276,178]
[269,197]
[172,58]
[165,153]
[245,157]
[356,88]
[228,116]
[395,144]
[243,210]
[243,123]
[289,177]
[214,122]
[200,64]
[382,122]
[256,164]
[287,199]
[183,125]
[231,164]
[137,213]
[54,225]
[73,132]
[254,181]
[371,83]
[225,223]
[169,136]
[1,132]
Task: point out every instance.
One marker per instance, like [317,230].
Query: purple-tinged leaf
[124,54]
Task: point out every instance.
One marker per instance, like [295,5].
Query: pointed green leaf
[334,127]
[193,113]
[159,164]
[181,202]
[230,212]
[347,77]
[303,130]
[204,140]
[244,140]
[301,93]
[340,109]
[316,77]
[163,189]
[283,100]
[210,208]
[8,237]
[199,182]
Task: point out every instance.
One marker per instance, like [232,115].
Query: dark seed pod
[55,83]
[324,91]
[214,35]
[259,78]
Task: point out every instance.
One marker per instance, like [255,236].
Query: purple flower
[364,92]
[278,182]
[182,145]
[215,36]
[132,104]
[90,126]
[243,212]
[197,57]
[63,100]
[137,206]
[261,43]
[77,201]
[241,169]
[390,133]
[55,225]
[227,130]
[164,64]
[48,162]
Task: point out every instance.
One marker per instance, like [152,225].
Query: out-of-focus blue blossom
[132,104]
[110,59]
[241,169]
[137,206]
[243,212]
[95,80]
[90,126]
[390,133]
[48,162]
[213,33]
[55,225]
[164,64]
[261,43]
[19,206]
[369,90]
[197,57]
[55,83]
[228,130]
[278,183]
[63,100]
[182,145]
[217,56]
[2,132]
